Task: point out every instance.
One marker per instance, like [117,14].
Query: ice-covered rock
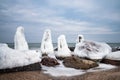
[112,58]
[48,61]
[116,49]
[30,67]
[20,42]
[78,63]
[46,45]
[91,49]
[63,50]
[10,58]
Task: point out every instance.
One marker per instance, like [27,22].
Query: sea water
[36,46]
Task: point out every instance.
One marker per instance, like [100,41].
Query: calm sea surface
[36,46]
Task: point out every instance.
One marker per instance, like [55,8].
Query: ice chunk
[10,58]
[63,50]
[113,55]
[20,42]
[91,49]
[46,45]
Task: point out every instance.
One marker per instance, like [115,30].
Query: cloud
[62,16]
[82,5]
[91,8]
[49,18]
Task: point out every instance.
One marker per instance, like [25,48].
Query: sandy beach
[113,74]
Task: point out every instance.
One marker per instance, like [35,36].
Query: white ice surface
[46,45]
[63,50]
[113,55]
[20,42]
[92,49]
[101,67]
[10,58]
[61,70]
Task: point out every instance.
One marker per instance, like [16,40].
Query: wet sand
[113,74]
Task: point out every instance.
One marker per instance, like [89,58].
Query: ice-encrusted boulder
[20,42]
[11,58]
[46,45]
[78,63]
[112,58]
[50,62]
[91,49]
[63,50]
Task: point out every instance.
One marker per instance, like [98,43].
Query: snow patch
[102,67]
[61,70]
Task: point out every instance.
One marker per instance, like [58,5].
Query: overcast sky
[97,20]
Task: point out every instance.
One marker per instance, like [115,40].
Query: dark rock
[47,61]
[44,55]
[56,49]
[95,60]
[115,49]
[78,63]
[71,48]
[113,62]
[31,67]
[60,58]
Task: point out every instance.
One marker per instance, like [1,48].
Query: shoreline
[113,74]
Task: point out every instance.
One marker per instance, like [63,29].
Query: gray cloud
[36,16]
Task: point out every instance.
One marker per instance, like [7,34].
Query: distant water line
[37,45]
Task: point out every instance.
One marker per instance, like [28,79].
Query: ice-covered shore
[21,55]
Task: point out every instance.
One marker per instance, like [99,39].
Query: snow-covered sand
[62,71]
[10,58]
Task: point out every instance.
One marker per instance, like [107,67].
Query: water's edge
[37,45]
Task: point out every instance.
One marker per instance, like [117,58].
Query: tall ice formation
[63,50]
[20,42]
[91,49]
[46,45]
